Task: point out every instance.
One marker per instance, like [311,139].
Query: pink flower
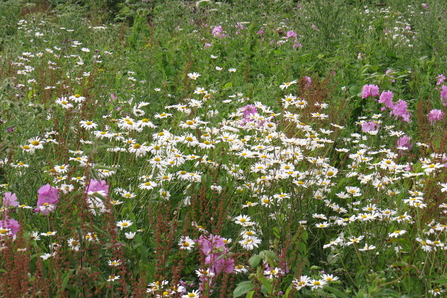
[387,98]
[370,90]
[444,95]
[207,45]
[440,79]
[435,115]
[215,251]
[290,34]
[217,31]
[404,142]
[400,109]
[47,199]
[96,186]
[11,224]
[10,199]
[308,80]
[369,126]
[249,110]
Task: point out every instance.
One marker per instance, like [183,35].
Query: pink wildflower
[435,115]
[11,224]
[290,34]
[404,142]
[370,90]
[10,199]
[47,199]
[370,126]
[444,95]
[96,186]
[440,79]
[387,98]
[400,109]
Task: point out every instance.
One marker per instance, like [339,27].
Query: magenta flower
[308,80]
[400,109]
[217,31]
[404,142]
[435,115]
[290,34]
[99,187]
[444,95]
[369,126]
[9,224]
[387,98]
[440,79]
[249,110]
[370,90]
[47,199]
[214,249]
[10,199]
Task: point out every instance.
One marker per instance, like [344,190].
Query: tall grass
[216,149]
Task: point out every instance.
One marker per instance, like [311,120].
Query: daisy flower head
[74,244]
[186,243]
[243,220]
[87,124]
[124,224]
[193,294]
[114,263]
[63,102]
[36,143]
[317,283]
[287,84]
[300,283]
[397,233]
[194,75]
[77,98]
[113,278]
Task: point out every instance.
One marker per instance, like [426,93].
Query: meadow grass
[223,149]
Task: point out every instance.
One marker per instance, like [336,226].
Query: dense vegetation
[217,149]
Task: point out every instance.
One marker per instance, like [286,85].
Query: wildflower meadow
[234,148]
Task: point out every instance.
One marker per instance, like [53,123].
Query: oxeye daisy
[88,124]
[113,278]
[63,102]
[194,75]
[114,263]
[186,243]
[124,224]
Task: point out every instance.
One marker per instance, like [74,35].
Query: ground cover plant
[223,149]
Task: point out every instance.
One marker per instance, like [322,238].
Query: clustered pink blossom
[10,200]
[398,109]
[444,95]
[216,257]
[435,115]
[370,90]
[404,142]
[47,199]
[370,126]
[11,224]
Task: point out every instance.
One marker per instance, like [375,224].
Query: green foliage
[238,119]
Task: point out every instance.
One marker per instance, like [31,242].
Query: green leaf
[242,288]
[250,294]
[336,292]
[266,283]
[65,280]
[442,280]
[228,85]
[255,261]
